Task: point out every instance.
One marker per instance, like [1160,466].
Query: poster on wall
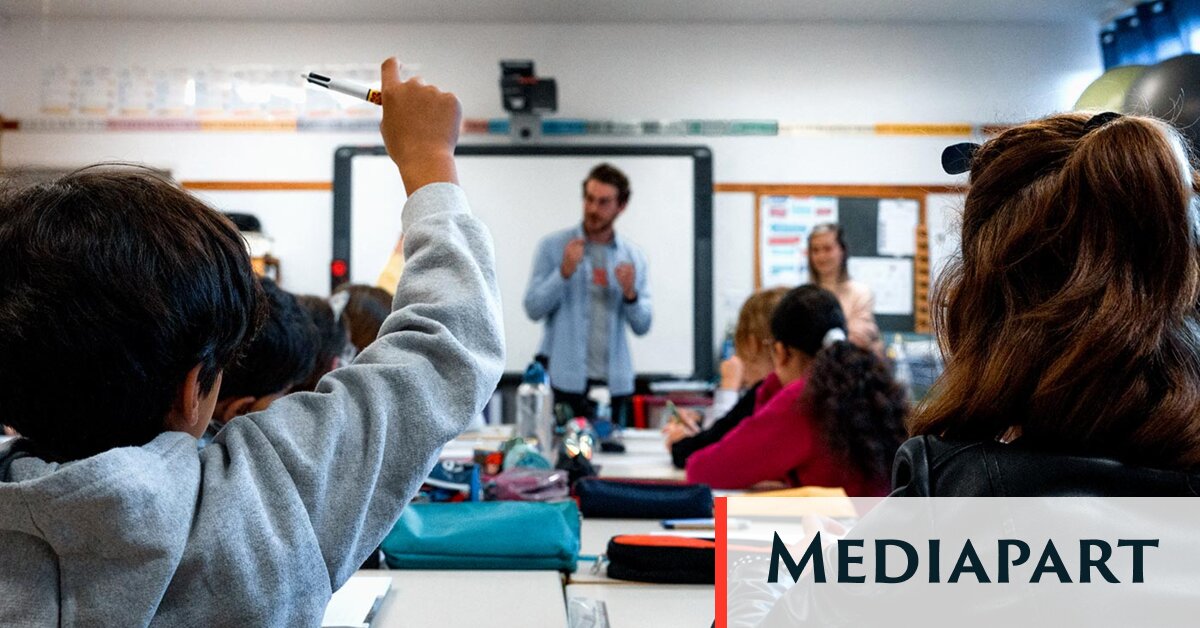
[890,278]
[786,222]
[897,227]
[241,92]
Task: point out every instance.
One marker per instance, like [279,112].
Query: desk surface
[645,457]
[659,605]
[471,599]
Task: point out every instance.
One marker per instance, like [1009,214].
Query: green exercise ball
[1107,93]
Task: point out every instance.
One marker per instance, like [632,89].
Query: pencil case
[661,559]
[485,535]
[640,499]
[529,485]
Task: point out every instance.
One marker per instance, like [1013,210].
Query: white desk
[595,533]
[471,599]
[658,605]
[645,457]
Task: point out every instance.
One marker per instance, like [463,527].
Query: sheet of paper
[890,279]
[897,227]
[353,605]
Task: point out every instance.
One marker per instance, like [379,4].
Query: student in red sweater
[830,414]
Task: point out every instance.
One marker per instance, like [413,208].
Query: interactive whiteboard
[523,193]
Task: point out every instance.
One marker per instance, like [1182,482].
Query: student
[280,354]
[333,341]
[829,415]
[752,345]
[827,268]
[365,311]
[1070,324]
[123,299]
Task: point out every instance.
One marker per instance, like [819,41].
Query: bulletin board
[886,233]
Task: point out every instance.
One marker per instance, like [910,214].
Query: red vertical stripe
[722,587]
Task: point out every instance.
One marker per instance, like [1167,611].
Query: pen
[674,412]
[350,88]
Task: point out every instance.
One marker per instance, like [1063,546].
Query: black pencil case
[640,499]
[661,559]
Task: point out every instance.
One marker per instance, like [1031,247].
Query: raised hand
[419,128]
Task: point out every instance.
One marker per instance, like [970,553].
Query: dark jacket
[685,447]
[931,466]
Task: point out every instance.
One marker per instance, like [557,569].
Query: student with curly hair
[829,415]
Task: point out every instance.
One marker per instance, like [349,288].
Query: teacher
[827,261]
[588,283]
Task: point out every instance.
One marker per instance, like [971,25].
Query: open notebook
[355,604]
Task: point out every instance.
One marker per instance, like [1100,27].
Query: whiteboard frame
[702,169]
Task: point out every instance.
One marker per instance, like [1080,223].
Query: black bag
[662,559]
[642,499]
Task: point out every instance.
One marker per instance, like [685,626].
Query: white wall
[817,73]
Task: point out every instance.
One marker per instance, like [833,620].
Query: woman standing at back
[827,256]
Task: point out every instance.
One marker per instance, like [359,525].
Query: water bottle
[901,369]
[534,405]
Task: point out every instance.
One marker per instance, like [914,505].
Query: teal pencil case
[485,535]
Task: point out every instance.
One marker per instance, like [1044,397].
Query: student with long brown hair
[1070,323]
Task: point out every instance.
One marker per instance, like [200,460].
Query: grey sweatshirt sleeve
[356,451]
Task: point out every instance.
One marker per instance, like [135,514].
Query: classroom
[542,313]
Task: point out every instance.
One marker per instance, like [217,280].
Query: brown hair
[836,230]
[609,174]
[1072,312]
[754,322]
[365,312]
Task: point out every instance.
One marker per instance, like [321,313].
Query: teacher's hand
[572,255]
[626,276]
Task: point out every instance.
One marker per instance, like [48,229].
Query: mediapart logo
[1029,562]
[906,561]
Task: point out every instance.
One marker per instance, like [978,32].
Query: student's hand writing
[626,275]
[420,128]
[572,255]
[688,424]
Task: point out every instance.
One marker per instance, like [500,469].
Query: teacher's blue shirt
[565,304]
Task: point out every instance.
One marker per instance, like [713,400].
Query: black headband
[956,158]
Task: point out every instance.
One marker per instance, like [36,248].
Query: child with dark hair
[830,414]
[280,354]
[124,300]
[365,311]
[333,340]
